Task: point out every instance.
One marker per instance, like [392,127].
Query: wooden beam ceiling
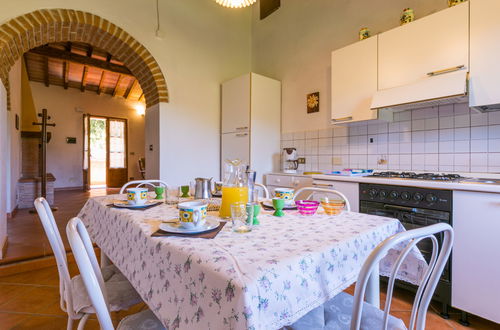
[117,85]
[84,78]
[99,88]
[127,93]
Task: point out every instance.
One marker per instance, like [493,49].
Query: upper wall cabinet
[354,81]
[484,54]
[433,43]
[236,105]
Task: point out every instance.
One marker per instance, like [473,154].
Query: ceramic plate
[210,224]
[126,205]
[290,206]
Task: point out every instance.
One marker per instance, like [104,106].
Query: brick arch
[40,27]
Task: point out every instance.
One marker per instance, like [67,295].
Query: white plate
[125,204]
[290,206]
[210,224]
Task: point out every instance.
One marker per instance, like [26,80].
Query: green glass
[256,211]
[278,204]
[159,191]
[185,191]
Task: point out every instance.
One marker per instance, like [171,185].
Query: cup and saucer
[192,219]
[283,193]
[137,198]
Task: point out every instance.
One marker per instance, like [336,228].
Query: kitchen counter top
[292,174]
[464,186]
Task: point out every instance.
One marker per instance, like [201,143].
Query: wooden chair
[96,286]
[325,191]
[347,312]
[74,300]
[140,183]
[141,162]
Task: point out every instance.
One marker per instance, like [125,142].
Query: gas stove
[419,176]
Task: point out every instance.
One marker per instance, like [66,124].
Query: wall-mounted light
[140,108]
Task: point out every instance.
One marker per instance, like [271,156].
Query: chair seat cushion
[121,294]
[336,313]
[144,320]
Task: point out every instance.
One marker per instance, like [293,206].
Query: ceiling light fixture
[236,3]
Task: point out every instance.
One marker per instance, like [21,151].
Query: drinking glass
[172,196]
[242,217]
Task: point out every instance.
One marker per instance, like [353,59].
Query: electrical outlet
[336,160]
[301,160]
[372,139]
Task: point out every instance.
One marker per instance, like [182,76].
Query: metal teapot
[202,188]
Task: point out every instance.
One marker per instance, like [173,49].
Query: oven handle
[400,208]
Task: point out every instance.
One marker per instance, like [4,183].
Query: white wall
[294,45]
[65,160]
[4,166]
[14,141]
[203,45]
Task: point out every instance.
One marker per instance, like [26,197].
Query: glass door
[117,152]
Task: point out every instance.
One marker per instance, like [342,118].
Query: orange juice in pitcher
[234,188]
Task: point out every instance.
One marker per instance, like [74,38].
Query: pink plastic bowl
[307,207]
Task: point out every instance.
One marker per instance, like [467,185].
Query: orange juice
[232,195]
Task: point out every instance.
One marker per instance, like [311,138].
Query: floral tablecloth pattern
[264,279]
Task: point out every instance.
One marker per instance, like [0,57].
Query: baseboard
[4,247]
[68,188]
[12,214]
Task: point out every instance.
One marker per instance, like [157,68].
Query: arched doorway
[40,27]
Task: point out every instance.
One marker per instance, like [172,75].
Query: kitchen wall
[294,45]
[65,160]
[449,138]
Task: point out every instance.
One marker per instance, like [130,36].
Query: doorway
[104,152]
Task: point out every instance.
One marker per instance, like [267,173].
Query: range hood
[430,91]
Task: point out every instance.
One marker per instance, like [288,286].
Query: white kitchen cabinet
[432,43]
[236,105]
[251,122]
[354,81]
[476,254]
[349,189]
[484,50]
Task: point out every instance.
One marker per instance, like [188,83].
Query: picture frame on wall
[313,102]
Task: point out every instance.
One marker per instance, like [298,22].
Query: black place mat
[135,208]
[208,234]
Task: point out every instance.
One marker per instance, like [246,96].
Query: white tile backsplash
[446,139]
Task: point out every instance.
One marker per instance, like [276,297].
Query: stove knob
[418,197]
[394,194]
[431,198]
[383,194]
[405,195]
[372,193]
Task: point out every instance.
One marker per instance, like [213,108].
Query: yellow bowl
[333,207]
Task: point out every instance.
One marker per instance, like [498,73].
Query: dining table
[264,279]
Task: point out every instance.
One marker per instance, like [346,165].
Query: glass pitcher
[234,188]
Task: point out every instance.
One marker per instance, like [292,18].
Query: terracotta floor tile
[42,322]
[434,321]
[9,321]
[30,299]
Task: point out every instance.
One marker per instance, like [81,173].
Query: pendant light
[236,3]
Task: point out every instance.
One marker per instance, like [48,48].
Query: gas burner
[418,176]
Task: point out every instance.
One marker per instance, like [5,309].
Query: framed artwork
[17,122]
[313,102]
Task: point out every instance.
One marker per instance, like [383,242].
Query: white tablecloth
[265,279]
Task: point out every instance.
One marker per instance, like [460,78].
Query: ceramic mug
[284,193]
[137,196]
[192,214]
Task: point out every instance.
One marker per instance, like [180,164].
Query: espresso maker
[290,160]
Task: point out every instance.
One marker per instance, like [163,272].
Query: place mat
[208,234]
[134,208]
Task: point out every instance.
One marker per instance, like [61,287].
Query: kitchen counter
[463,186]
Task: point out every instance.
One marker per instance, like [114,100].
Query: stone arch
[40,27]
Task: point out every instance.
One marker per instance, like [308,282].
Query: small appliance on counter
[290,160]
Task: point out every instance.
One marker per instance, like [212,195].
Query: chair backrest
[312,190]
[142,166]
[85,258]
[264,189]
[429,280]
[140,183]
[50,227]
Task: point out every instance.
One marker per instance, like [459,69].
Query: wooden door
[86,152]
[117,169]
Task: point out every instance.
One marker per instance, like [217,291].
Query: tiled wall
[449,138]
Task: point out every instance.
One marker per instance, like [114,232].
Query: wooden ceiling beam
[117,85]
[90,51]
[99,88]
[84,78]
[80,59]
[127,93]
[141,97]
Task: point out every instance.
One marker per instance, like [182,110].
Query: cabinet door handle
[240,128]
[448,70]
[242,134]
[336,120]
[323,185]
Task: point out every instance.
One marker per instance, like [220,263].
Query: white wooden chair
[140,183]
[96,286]
[74,299]
[347,312]
[313,190]
[264,189]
